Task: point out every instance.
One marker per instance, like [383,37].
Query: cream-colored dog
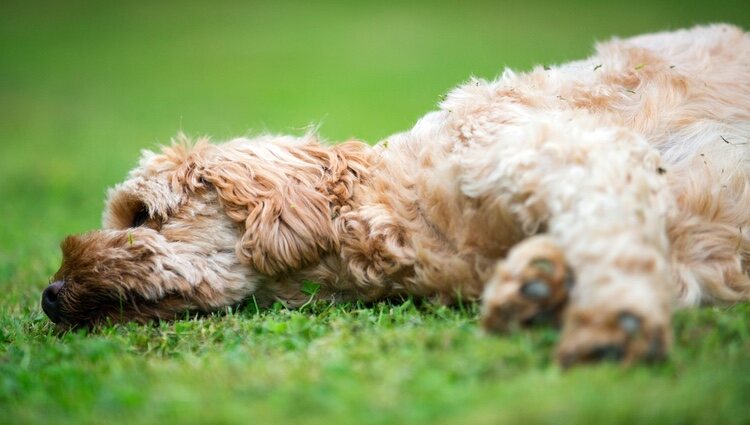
[602,193]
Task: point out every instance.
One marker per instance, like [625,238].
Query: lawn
[85,85]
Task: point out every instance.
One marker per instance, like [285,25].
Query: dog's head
[200,226]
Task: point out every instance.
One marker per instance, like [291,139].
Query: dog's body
[604,192]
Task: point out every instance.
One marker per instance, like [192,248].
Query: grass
[84,86]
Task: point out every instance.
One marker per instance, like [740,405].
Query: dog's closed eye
[140,217]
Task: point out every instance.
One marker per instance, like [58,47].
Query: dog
[600,195]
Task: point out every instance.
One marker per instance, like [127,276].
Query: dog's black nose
[50,303]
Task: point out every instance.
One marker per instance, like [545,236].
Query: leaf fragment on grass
[310,288]
[543,264]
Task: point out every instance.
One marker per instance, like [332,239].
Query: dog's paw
[623,336]
[529,287]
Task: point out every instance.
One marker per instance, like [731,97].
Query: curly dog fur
[601,194]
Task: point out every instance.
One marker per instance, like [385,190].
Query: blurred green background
[85,85]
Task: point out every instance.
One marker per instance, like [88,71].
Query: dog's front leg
[598,195]
[529,287]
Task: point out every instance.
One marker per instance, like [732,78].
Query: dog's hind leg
[710,231]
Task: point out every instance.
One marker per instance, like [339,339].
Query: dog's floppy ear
[286,191]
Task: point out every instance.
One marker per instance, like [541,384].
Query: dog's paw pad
[537,290]
[622,337]
[529,288]
[629,323]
